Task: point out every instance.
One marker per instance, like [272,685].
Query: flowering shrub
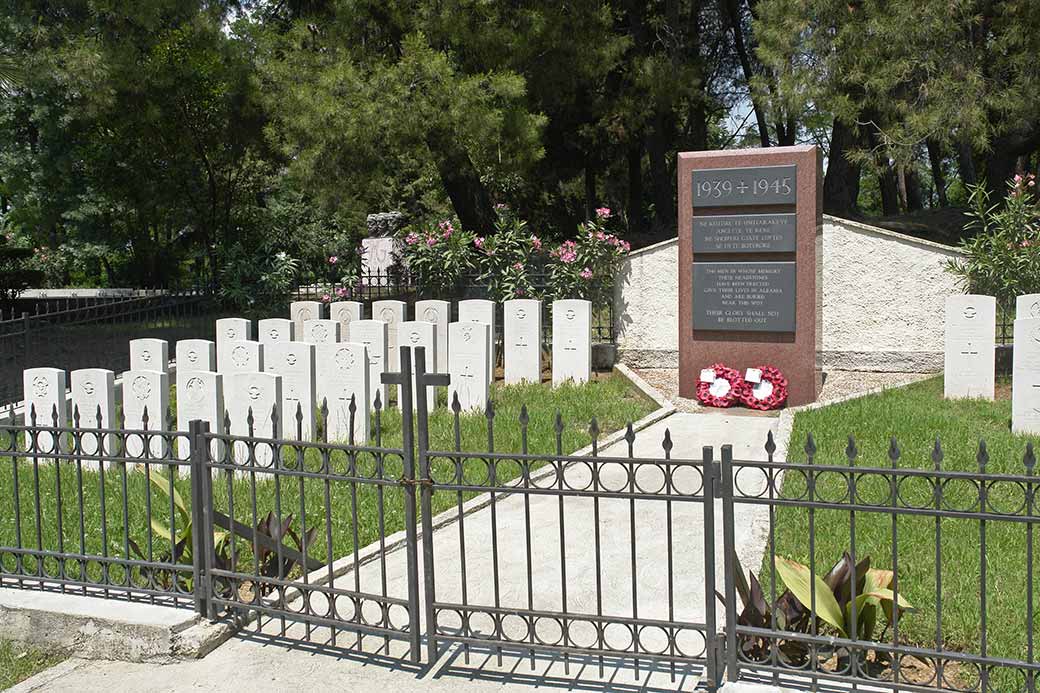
[256,282]
[506,259]
[437,256]
[1003,253]
[586,266]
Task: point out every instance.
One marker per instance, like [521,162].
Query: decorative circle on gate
[88,387]
[196,389]
[345,359]
[141,387]
[41,386]
[431,315]
[240,356]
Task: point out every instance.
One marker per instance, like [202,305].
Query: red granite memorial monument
[748,281]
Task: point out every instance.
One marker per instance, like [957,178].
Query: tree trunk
[841,183]
[635,187]
[914,198]
[469,197]
[889,189]
[732,10]
[935,160]
[660,180]
[966,164]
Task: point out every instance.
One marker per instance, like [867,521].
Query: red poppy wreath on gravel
[719,386]
[764,388]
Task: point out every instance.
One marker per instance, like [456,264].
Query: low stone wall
[882,298]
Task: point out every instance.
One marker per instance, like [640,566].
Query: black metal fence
[97,334]
[401,545]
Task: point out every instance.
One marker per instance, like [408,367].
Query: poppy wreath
[725,391]
[769,393]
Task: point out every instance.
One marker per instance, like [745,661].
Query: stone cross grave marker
[321,331]
[439,313]
[146,390]
[417,333]
[482,310]
[343,372]
[572,341]
[242,357]
[294,361]
[200,395]
[274,330]
[44,390]
[523,340]
[373,334]
[259,392]
[196,355]
[1025,383]
[94,388]
[393,314]
[302,311]
[345,312]
[149,355]
[970,359]
[230,330]
[468,363]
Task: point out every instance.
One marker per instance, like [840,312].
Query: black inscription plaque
[745,233]
[756,296]
[741,187]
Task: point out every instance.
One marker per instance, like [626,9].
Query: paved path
[260,662]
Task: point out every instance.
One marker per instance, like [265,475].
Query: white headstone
[416,333]
[231,330]
[302,311]
[393,314]
[94,389]
[146,390]
[468,363]
[241,357]
[196,355]
[294,361]
[345,312]
[970,363]
[1025,378]
[1027,306]
[439,313]
[481,310]
[377,256]
[44,392]
[343,372]
[259,393]
[373,334]
[149,355]
[200,395]
[272,330]
[321,331]
[571,341]
[523,340]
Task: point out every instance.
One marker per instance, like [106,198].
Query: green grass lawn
[19,663]
[612,399]
[916,415]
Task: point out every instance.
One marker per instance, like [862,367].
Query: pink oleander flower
[603,213]
[626,246]
[586,273]
[519,292]
[568,256]
[517,266]
[479,242]
[446,228]
[431,241]
[536,242]
[501,207]
[412,238]
[1025,244]
[600,236]
[333,259]
[326,298]
[341,292]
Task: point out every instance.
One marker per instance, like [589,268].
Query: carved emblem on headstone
[273,334]
[1034,310]
[193,356]
[88,387]
[520,313]
[345,358]
[230,333]
[41,386]
[196,390]
[254,392]
[430,314]
[141,387]
[305,313]
[146,356]
[969,312]
[387,314]
[320,333]
[570,314]
[240,356]
[290,358]
[467,334]
[413,338]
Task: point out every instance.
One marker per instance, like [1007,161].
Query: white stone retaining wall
[882,301]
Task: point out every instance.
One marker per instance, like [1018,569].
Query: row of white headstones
[970,355]
[296,364]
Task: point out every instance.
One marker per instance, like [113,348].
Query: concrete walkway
[263,661]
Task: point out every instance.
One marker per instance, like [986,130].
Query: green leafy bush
[438,256]
[507,259]
[257,282]
[586,266]
[1003,252]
